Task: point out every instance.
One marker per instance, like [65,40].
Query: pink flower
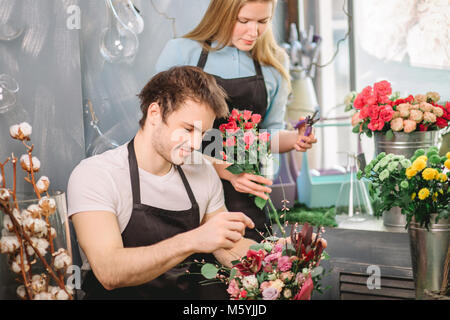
[256,118]
[386,113]
[264,136]
[364,113]
[425,107]
[264,285]
[278,248]
[396,115]
[356,119]
[251,264]
[439,112]
[382,88]
[270,293]
[235,114]
[249,138]
[247,115]
[397,124]
[231,142]
[409,125]
[416,115]
[359,102]
[248,125]
[403,108]
[420,98]
[233,289]
[374,112]
[429,117]
[284,263]
[306,290]
[384,100]
[272,257]
[223,127]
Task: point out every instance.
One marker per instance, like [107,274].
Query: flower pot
[428,253]
[404,144]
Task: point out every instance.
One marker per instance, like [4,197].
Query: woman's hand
[303,142]
[250,183]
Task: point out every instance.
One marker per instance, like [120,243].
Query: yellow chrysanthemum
[424,193]
[435,195]
[441,191]
[447,164]
[410,172]
[424,158]
[442,177]
[429,174]
[419,164]
[448,155]
[413,196]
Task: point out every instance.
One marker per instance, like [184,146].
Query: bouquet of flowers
[246,148]
[378,110]
[419,186]
[275,269]
[27,236]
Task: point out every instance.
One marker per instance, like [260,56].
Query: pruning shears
[309,121]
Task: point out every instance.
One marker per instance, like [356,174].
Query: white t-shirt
[102,183]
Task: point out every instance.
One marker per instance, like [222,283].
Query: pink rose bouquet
[378,110]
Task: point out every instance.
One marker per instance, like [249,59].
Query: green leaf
[325,255]
[234,262]
[317,271]
[235,169]
[233,273]
[257,246]
[390,135]
[356,129]
[209,271]
[260,202]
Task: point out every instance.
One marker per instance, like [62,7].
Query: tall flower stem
[277,219]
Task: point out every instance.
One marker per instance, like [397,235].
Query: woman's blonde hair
[218,25]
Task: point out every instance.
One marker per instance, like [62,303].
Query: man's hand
[222,231]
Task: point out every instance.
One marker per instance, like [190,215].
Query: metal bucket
[428,253]
[404,144]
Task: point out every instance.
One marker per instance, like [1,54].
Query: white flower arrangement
[27,235]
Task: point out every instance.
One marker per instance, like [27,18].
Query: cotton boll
[15,267]
[21,131]
[38,283]
[21,292]
[35,211]
[53,232]
[43,184]
[35,227]
[48,205]
[4,195]
[41,244]
[62,259]
[9,244]
[43,296]
[26,165]
[7,223]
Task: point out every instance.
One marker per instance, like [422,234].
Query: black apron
[246,93]
[147,226]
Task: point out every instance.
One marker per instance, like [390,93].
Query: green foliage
[209,271]
[316,217]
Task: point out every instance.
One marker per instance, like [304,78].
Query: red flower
[359,102]
[306,290]
[376,125]
[223,127]
[249,138]
[423,127]
[224,156]
[243,294]
[386,113]
[364,112]
[234,114]
[231,126]
[441,122]
[382,88]
[374,112]
[251,264]
[247,115]
[248,125]
[256,118]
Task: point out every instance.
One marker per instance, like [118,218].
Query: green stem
[276,216]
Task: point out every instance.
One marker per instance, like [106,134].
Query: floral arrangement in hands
[378,110]
[27,236]
[275,269]
[419,186]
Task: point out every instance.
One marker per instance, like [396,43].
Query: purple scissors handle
[309,121]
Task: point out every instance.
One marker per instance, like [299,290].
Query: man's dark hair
[172,87]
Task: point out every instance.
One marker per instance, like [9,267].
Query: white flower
[21,291]
[41,244]
[250,282]
[36,227]
[48,205]
[7,223]
[38,283]
[34,211]
[25,163]
[43,296]
[60,294]
[21,131]
[62,259]
[9,244]
[16,265]
[287,293]
[43,184]
[4,194]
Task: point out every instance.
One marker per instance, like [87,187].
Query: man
[138,212]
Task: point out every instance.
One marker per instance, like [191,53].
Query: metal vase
[428,253]
[402,144]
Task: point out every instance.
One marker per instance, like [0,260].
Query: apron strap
[134,173]
[258,70]
[203,57]
[187,187]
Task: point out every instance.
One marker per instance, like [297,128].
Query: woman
[234,41]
